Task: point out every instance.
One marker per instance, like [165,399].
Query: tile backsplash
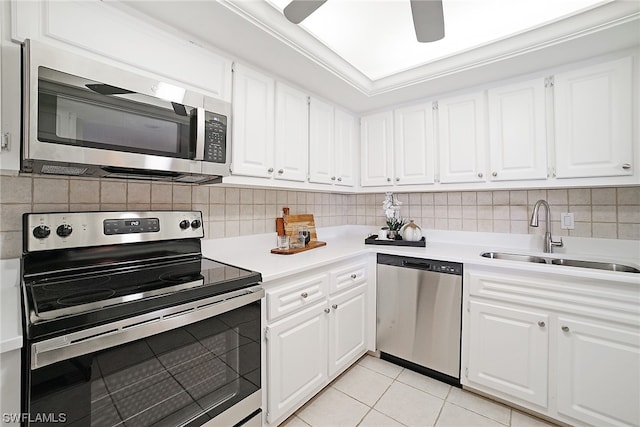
[598,212]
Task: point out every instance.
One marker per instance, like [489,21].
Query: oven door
[189,365]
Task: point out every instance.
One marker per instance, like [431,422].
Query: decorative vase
[411,232]
[392,234]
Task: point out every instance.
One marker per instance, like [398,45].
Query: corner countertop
[253,252]
[10,307]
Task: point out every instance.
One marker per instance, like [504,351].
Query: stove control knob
[196,223]
[41,232]
[184,224]
[64,230]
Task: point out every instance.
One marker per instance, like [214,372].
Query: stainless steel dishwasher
[419,312]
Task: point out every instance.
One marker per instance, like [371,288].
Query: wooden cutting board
[291,222]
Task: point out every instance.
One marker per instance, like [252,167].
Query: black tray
[371,240]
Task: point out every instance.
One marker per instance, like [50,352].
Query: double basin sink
[609,266]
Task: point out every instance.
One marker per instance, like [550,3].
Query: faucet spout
[549,243]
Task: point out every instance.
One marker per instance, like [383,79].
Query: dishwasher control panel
[437,266]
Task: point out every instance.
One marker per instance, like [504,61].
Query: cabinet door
[346,137]
[508,350]
[253,119]
[461,138]
[598,372]
[321,142]
[292,134]
[296,359]
[347,328]
[593,121]
[517,131]
[414,145]
[376,136]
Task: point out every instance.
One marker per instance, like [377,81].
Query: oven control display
[129,226]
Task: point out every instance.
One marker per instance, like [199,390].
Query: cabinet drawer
[348,277]
[296,294]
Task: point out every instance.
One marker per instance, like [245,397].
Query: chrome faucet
[549,243]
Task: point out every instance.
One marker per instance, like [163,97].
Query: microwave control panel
[215,138]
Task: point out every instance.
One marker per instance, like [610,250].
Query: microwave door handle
[200,133]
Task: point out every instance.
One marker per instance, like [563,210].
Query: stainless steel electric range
[127,324]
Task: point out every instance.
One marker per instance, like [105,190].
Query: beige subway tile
[11,216]
[485,225]
[441,224]
[371,199]
[138,206]
[484,198]
[232,196]
[415,199]
[415,211]
[469,224]
[440,199]
[427,199]
[84,207]
[602,213]
[440,211]
[361,199]
[361,219]
[581,213]
[202,208]
[138,192]
[518,197]
[246,212]
[454,198]
[310,198]
[350,199]
[181,194]
[259,212]
[579,196]
[629,195]
[50,190]
[557,230]
[84,190]
[181,206]
[216,229]
[629,214]
[259,226]
[217,195]
[534,195]
[161,206]
[351,210]
[427,224]
[604,230]
[15,189]
[161,193]
[519,213]
[581,229]
[454,211]
[217,212]
[501,226]
[427,211]
[200,194]
[270,226]
[629,231]
[361,210]
[326,199]
[603,196]
[246,196]
[469,212]
[485,212]
[231,228]
[501,212]
[301,198]
[500,198]
[469,198]
[270,197]
[10,244]
[369,221]
[113,207]
[557,197]
[272,211]
[455,224]
[519,227]
[232,212]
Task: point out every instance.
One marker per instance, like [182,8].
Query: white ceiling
[377,37]
[363,76]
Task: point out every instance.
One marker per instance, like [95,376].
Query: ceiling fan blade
[298,10]
[428,20]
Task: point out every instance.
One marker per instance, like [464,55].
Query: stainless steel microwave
[86,118]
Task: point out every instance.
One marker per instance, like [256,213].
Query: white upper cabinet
[376,134]
[517,131]
[461,137]
[593,120]
[345,140]
[253,123]
[292,133]
[414,145]
[321,141]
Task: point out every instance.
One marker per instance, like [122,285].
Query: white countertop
[253,252]
[10,309]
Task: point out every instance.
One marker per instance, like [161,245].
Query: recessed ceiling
[377,37]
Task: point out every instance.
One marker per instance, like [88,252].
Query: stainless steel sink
[609,266]
[597,265]
[513,257]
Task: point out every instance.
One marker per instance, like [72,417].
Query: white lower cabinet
[565,347]
[309,345]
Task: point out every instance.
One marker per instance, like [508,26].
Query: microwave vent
[63,170]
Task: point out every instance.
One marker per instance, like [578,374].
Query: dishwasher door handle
[416,264]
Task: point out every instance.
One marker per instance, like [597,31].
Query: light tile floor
[374,392]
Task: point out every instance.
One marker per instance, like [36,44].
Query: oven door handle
[87,341]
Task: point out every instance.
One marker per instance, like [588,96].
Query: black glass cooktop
[74,299]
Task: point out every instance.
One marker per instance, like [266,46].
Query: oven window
[185,375]
[77,111]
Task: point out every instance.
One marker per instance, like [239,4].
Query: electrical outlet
[566,221]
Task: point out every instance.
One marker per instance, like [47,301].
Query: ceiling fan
[428,18]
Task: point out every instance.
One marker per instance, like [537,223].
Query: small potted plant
[391,207]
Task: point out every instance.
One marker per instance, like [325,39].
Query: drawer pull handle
[626,166]
[304,295]
[353,276]
[541,324]
[334,306]
[327,310]
[565,329]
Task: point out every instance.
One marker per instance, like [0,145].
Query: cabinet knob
[327,310]
[626,166]
[353,276]
[304,295]
[494,174]
[541,324]
[397,179]
[565,329]
[334,306]
[339,179]
[480,175]
[333,178]
[280,171]
[388,179]
[270,170]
